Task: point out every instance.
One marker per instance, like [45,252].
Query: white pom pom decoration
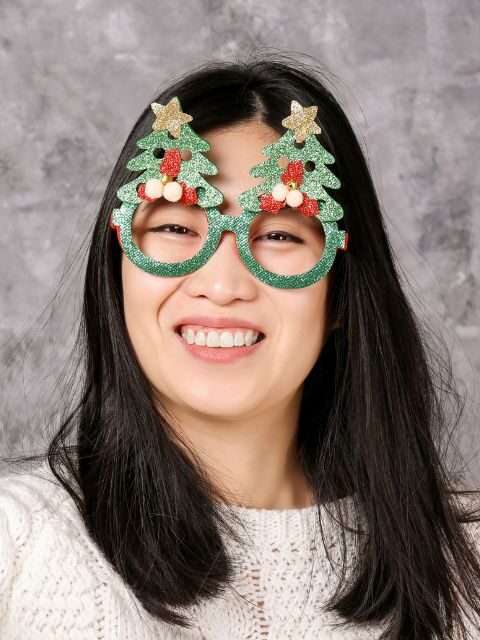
[294,198]
[154,188]
[172,191]
[279,192]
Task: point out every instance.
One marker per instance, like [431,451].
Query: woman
[294,492]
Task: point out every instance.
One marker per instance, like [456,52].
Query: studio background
[76,75]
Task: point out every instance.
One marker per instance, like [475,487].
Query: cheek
[309,307]
[305,320]
[143,296]
[302,332]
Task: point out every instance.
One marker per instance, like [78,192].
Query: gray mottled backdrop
[74,77]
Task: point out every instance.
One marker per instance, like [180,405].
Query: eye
[178,229]
[283,235]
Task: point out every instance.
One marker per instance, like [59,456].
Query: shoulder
[35,511]
[33,491]
[54,580]
[29,501]
[49,567]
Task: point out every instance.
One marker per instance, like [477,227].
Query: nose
[224,277]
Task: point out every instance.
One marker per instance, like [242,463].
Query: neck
[251,459]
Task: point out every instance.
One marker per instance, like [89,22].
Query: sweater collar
[278,525]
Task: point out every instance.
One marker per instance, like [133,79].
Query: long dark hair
[373,412]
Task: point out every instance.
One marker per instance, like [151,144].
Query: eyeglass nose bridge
[226,222]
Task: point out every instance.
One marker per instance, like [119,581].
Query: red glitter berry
[268,203]
[170,165]
[189,194]
[345,244]
[293,172]
[115,227]
[309,206]
[141,193]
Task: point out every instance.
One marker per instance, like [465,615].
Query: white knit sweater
[56,584]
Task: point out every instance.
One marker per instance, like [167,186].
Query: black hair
[373,413]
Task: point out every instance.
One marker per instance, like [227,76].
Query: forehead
[235,150]
[244,138]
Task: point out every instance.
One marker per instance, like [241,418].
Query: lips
[218,322]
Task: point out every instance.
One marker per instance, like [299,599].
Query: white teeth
[212,339]
[249,338]
[200,338]
[239,339]
[225,339]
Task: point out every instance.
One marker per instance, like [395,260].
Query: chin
[220,404]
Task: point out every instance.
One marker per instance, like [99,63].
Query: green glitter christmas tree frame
[209,198]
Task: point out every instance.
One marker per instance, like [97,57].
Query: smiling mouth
[215,340]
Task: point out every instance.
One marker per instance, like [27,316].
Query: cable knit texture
[56,584]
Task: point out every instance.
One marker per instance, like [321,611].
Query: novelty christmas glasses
[287,234]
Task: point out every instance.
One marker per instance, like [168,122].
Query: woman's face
[293,320]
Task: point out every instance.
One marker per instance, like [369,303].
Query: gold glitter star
[301,120]
[169,116]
